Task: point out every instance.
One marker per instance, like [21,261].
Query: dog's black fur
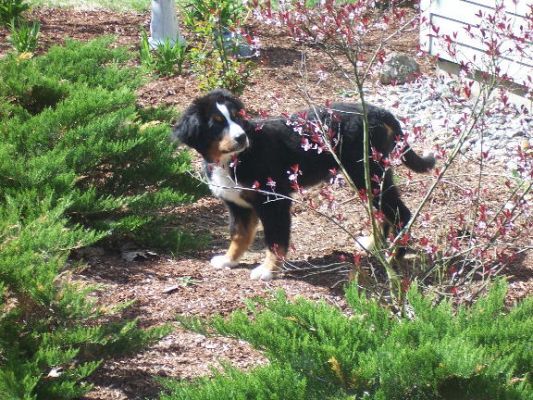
[273,146]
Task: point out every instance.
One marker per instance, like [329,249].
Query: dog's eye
[218,118]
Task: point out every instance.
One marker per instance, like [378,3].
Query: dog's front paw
[261,272]
[222,261]
[365,243]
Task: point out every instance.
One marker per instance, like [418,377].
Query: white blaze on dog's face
[235,130]
[233,138]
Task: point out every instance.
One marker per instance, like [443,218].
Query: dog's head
[212,125]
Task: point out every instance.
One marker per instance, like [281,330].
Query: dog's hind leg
[386,199]
[357,173]
[243,225]
[397,215]
[275,216]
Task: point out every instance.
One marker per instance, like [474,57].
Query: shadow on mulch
[519,268]
[279,57]
[333,271]
[330,271]
[133,383]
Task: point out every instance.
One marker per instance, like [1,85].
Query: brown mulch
[200,290]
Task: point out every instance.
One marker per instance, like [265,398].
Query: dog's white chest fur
[222,186]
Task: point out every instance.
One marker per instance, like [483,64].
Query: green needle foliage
[79,162]
[70,126]
[267,383]
[478,352]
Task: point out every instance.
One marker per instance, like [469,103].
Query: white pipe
[164,23]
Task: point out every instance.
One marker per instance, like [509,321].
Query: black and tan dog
[242,154]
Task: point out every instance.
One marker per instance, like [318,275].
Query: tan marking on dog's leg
[240,242]
[271,264]
[242,239]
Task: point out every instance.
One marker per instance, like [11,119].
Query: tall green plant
[23,36]
[170,56]
[11,10]
[166,59]
[434,352]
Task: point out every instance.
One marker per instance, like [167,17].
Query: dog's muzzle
[233,144]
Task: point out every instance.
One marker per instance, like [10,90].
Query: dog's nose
[241,139]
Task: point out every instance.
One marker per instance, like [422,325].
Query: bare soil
[199,289]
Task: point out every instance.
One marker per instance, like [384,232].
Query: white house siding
[453,16]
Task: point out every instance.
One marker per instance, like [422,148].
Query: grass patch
[113,5]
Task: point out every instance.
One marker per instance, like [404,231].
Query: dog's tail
[415,162]
[409,158]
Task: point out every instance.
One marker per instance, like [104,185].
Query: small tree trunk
[164,23]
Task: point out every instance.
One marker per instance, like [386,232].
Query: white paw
[261,272]
[222,261]
[365,243]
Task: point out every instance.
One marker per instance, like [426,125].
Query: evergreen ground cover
[319,352]
[79,162]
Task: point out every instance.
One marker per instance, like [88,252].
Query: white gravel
[430,102]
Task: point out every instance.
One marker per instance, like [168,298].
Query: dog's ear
[187,130]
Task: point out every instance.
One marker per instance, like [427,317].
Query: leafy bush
[229,12]
[78,162]
[11,10]
[432,352]
[215,56]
